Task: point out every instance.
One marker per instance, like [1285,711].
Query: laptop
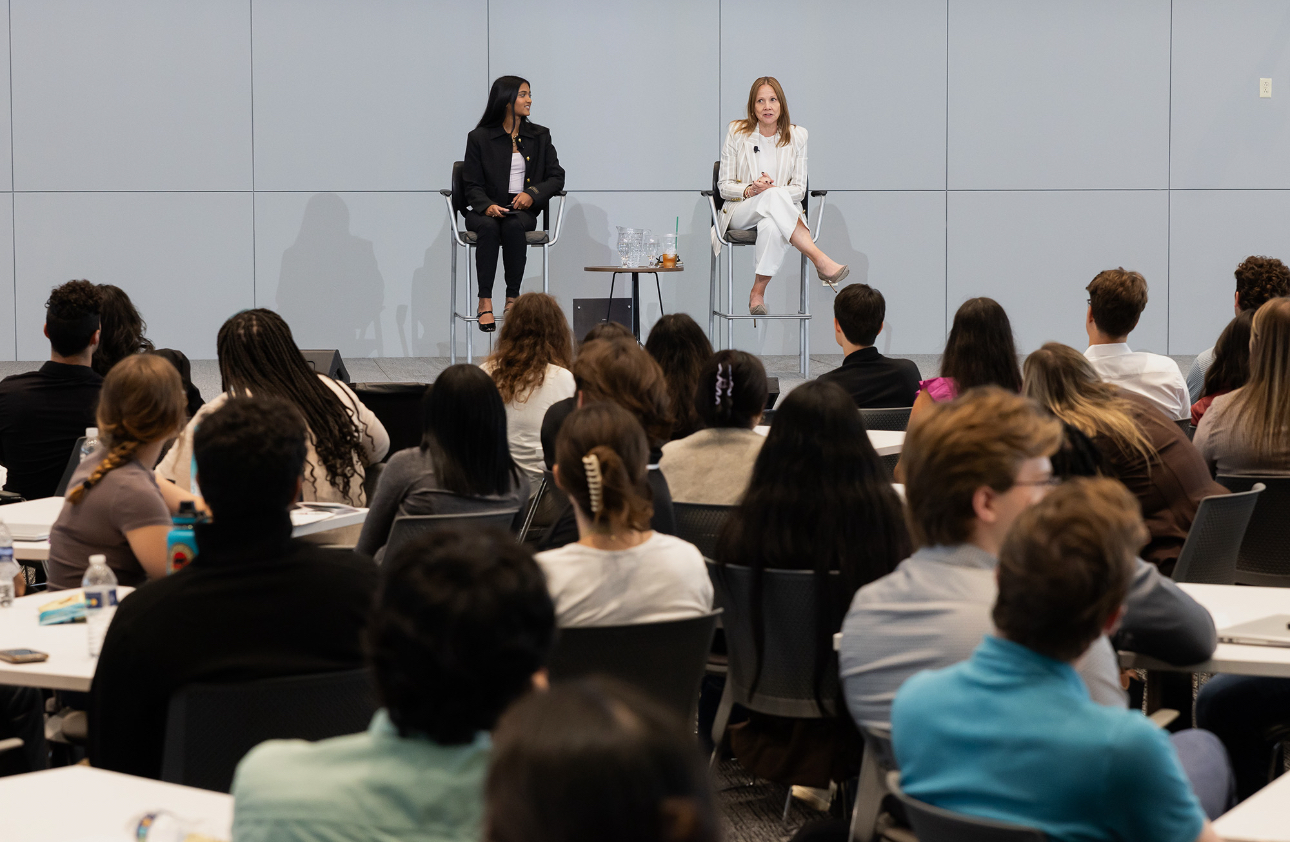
[1268,631]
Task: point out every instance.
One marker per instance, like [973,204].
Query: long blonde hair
[1263,403]
[783,124]
[1061,379]
[142,401]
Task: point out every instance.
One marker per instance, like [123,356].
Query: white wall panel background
[209,155]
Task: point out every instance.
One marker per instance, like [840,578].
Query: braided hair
[257,354]
[142,401]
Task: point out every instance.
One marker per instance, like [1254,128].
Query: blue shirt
[370,786]
[1012,735]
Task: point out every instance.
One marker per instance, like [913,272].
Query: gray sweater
[711,466]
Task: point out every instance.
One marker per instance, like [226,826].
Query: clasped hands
[520,202]
[763,183]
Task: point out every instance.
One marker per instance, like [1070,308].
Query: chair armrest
[447,193]
[819,193]
[452,218]
[819,213]
[712,204]
[559,218]
[705,192]
[10,744]
[562,193]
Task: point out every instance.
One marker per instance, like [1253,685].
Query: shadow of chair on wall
[836,243]
[427,333]
[330,289]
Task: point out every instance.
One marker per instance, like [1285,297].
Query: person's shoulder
[538,129]
[673,546]
[276,768]
[799,133]
[559,374]
[409,458]
[340,561]
[928,689]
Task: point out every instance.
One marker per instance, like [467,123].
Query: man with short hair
[44,412]
[255,603]
[972,466]
[1011,734]
[872,380]
[461,628]
[1116,299]
[1258,280]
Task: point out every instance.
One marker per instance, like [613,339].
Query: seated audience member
[463,464]
[1245,712]
[44,412]
[1258,279]
[1143,449]
[22,715]
[615,369]
[1011,734]
[680,347]
[461,628]
[1229,366]
[819,500]
[974,465]
[255,603]
[619,571]
[980,351]
[531,369]
[257,356]
[124,334]
[713,465]
[596,760]
[872,380]
[1245,432]
[1116,299]
[115,506]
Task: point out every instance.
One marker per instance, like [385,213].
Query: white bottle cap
[98,558]
[91,432]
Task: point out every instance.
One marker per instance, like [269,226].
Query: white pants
[775,215]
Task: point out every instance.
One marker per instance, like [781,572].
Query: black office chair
[933,824]
[398,406]
[211,727]
[407,528]
[1263,559]
[894,418]
[748,237]
[1188,430]
[542,238]
[1213,544]
[665,659]
[700,524]
[73,462]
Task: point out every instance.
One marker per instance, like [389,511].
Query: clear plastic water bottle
[8,567]
[91,442]
[100,600]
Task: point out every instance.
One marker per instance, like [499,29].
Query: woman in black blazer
[510,173]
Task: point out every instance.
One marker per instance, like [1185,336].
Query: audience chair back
[895,418]
[665,659]
[544,509]
[530,510]
[398,406]
[73,462]
[1214,542]
[1263,559]
[407,528]
[211,727]
[932,824]
[700,524]
[1188,430]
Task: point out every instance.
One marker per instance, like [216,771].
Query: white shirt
[1157,378]
[524,419]
[517,173]
[767,160]
[664,578]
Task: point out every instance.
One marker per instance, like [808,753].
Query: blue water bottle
[181,543]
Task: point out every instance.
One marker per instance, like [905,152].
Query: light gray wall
[211,155]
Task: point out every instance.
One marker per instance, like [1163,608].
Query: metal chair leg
[546,284]
[788,805]
[452,307]
[470,335]
[712,303]
[720,721]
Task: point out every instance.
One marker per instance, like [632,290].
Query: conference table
[81,804]
[1263,817]
[886,442]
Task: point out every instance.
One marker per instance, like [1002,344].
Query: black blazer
[487,169]
[875,381]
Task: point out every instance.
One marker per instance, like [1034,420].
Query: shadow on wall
[582,243]
[430,309]
[330,288]
[836,242]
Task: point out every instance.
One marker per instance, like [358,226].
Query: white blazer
[739,169]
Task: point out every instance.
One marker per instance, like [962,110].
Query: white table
[80,804]
[1263,817]
[41,514]
[69,667]
[886,442]
[1231,604]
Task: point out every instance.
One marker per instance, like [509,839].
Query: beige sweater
[711,466]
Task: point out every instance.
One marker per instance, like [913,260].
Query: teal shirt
[1012,735]
[375,787]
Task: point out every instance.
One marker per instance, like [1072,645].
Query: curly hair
[534,335]
[123,330]
[1260,279]
[72,316]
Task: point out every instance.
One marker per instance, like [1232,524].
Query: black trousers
[507,234]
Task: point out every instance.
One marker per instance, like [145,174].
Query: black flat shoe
[486,328]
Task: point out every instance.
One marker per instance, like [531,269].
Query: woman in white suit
[763,180]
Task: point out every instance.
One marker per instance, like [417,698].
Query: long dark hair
[505,90]
[465,433]
[123,329]
[257,355]
[680,347]
[1231,367]
[819,498]
[980,350]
